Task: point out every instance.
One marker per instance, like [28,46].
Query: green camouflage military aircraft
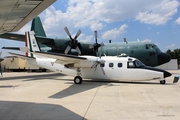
[146,52]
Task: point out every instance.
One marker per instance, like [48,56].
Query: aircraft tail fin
[31,43]
[37,27]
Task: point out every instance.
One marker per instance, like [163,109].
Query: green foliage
[174,54]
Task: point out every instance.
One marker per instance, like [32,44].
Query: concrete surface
[52,96]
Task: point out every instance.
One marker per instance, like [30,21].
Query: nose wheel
[163,81]
[78,80]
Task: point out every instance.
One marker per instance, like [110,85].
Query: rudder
[31,41]
[37,27]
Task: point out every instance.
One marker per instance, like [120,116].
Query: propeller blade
[95,34]
[67,49]
[103,70]
[79,51]
[94,65]
[77,35]
[0,53]
[67,31]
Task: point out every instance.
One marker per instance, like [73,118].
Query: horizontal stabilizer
[25,49]
[11,48]
[176,78]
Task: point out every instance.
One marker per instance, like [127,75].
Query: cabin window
[102,65]
[119,65]
[111,64]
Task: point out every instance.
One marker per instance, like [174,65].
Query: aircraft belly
[121,75]
[92,73]
[142,74]
[51,65]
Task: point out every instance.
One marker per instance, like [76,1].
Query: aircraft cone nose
[163,58]
[167,74]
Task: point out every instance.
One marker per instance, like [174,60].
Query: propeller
[96,45]
[99,61]
[1,59]
[73,44]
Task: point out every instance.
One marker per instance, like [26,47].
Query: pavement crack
[91,102]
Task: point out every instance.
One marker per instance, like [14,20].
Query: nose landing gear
[163,81]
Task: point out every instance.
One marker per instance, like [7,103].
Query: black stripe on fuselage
[166,73]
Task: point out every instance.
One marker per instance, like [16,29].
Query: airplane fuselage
[115,68]
[146,52]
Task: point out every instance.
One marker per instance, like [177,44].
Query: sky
[156,21]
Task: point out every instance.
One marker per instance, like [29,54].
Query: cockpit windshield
[135,64]
[152,46]
[138,64]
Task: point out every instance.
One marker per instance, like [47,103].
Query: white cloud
[96,13]
[160,13]
[146,40]
[114,33]
[171,46]
[157,32]
[178,21]
[85,38]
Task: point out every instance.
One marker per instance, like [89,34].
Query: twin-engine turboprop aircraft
[116,68]
[146,52]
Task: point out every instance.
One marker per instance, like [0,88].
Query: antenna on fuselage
[125,40]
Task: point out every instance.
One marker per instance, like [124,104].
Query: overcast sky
[156,21]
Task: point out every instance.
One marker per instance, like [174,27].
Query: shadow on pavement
[11,110]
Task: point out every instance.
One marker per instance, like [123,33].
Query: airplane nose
[167,74]
[163,58]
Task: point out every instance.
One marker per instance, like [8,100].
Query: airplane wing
[14,14]
[21,37]
[62,58]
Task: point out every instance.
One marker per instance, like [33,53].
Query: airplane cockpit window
[157,49]
[111,64]
[152,46]
[147,47]
[131,64]
[138,64]
[135,64]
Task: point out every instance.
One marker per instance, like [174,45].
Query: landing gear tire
[78,80]
[163,81]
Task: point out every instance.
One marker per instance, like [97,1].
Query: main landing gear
[163,81]
[78,80]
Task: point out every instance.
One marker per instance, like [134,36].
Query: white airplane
[116,68]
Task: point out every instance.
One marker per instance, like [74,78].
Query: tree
[174,54]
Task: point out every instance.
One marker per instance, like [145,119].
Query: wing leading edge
[61,58]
